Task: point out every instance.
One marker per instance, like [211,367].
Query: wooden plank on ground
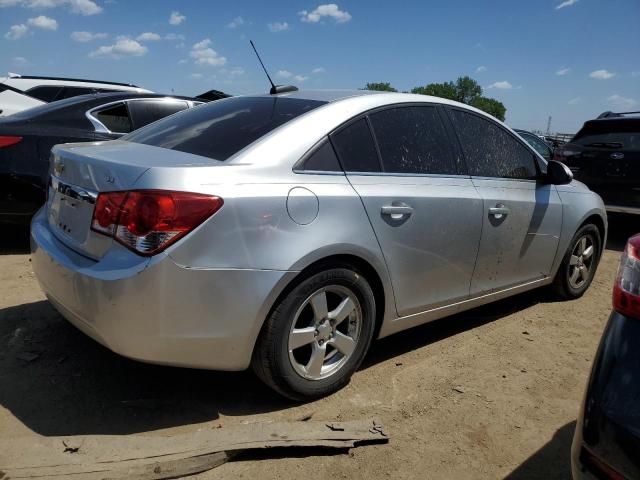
[155,457]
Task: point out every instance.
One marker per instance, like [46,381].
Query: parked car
[287,231]
[26,139]
[20,92]
[605,154]
[537,143]
[607,438]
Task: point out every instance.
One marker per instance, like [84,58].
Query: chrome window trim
[100,127]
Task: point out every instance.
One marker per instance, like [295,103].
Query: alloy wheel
[581,262]
[325,332]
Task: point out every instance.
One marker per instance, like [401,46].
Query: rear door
[522,215]
[425,212]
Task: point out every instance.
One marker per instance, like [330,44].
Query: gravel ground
[491,393]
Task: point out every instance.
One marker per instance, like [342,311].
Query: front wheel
[579,263]
[317,336]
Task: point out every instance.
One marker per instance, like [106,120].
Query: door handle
[499,211]
[396,211]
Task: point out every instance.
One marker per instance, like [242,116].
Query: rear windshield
[220,129]
[610,134]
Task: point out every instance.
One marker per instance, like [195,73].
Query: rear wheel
[579,263]
[317,336]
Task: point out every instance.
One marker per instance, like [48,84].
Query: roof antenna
[274,88]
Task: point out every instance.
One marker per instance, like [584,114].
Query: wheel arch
[381,289]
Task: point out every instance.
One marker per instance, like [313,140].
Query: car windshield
[222,128]
[610,134]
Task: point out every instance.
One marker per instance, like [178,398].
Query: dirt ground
[521,364]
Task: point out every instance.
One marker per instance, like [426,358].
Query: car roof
[323,95]
[90,100]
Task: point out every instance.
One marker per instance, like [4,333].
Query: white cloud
[236,71]
[236,22]
[16,31]
[84,37]
[563,71]
[148,37]
[330,10]
[124,47]
[318,70]
[276,27]
[43,22]
[620,102]
[174,37]
[284,74]
[20,61]
[300,78]
[176,18]
[203,54]
[566,3]
[82,7]
[504,85]
[481,69]
[602,75]
[574,101]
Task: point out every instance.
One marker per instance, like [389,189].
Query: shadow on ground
[551,462]
[621,227]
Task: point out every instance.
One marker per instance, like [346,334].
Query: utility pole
[549,125]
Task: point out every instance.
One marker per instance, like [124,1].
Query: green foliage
[382,87]
[491,106]
[465,90]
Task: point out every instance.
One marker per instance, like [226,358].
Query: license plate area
[70,209]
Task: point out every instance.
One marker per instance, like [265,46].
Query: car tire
[577,269]
[317,335]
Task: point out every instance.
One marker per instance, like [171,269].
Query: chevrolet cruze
[288,231]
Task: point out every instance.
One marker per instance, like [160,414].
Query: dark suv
[605,155]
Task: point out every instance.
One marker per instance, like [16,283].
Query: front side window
[222,128]
[355,148]
[413,140]
[115,118]
[490,150]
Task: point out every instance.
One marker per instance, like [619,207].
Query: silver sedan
[288,231]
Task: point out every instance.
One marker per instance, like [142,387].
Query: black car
[606,444]
[26,139]
[542,147]
[605,154]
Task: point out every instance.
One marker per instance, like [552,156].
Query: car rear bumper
[153,310]
[622,209]
[608,429]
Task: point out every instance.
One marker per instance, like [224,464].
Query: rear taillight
[148,221]
[626,291]
[8,140]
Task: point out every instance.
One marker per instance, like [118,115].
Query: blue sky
[569,59]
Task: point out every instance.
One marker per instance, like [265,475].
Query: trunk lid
[79,172]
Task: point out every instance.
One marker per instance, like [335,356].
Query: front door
[522,216]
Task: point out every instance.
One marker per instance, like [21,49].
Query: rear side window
[115,118]
[220,129]
[144,112]
[322,159]
[413,140]
[616,134]
[490,150]
[46,93]
[355,148]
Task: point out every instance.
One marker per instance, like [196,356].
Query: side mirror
[558,173]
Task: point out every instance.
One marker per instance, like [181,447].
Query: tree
[381,86]
[491,106]
[465,90]
[442,90]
